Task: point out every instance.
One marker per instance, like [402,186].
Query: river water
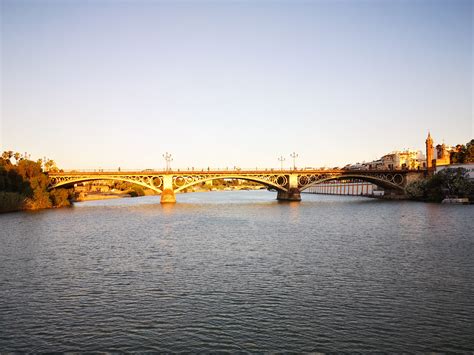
[238,271]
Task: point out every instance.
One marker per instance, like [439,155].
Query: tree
[470,152]
[458,156]
[7,155]
[50,165]
[446,183]
[463,154]
[137,191]
[25,185]
[17,157]
[60,197]
[417,190]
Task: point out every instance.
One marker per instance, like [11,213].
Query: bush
[416,190]
[60,197]
[446,183]
[137,191]
[11,201]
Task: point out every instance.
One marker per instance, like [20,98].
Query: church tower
[429,152]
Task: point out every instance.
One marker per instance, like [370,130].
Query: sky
[107,84]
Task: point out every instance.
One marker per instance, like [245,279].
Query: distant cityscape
[434,157]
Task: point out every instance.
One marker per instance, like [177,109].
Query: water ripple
[238,272]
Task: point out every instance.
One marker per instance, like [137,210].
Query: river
[238,271]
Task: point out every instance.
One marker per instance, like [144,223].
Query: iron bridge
[287,183]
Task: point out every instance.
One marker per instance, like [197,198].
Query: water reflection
[168,209]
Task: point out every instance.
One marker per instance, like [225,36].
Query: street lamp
[281,160]
[168,160]
[294,156]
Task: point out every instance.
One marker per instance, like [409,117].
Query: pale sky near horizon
[104,83]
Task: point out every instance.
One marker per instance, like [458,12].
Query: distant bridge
[287,183]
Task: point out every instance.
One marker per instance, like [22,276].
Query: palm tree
[17,157]
[7,155]
[50,165]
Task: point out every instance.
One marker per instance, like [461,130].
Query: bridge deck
[223,172]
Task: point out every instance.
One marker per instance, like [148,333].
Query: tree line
[24,184]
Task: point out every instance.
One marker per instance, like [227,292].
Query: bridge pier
[291,195]
[168,196]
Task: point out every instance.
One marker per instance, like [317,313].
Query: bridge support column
[168,196]
[293,193]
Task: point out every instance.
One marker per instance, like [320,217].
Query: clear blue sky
[106,83]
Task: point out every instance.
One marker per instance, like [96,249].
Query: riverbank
[16,202]
[100,196]
[96,196]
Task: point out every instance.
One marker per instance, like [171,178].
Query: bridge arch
[266,183]
[71,181]
[385,184]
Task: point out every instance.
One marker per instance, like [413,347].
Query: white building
[398,160]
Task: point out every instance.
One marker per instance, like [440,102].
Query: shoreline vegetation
[447,184]
[24,186]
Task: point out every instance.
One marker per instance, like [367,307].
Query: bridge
[287,183]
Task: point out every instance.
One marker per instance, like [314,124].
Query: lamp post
[168,160]
[281,160]
[294,156]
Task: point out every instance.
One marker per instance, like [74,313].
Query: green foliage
[11,201]
[434,190]
[24,185]
[463,154]
[455,182]
[7,155]
[470,152]
[122,185]
[60,197]
[416,190]
[39,200]
[446,183]
[458,156]
[137,191]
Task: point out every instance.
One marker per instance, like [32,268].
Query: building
[429,151]
[410,159]
[443,154]
[439,156]
[374,165]
[406,159]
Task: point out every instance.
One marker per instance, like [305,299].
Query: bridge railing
[174,171]
[223,170]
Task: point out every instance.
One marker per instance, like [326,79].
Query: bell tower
[429,152]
